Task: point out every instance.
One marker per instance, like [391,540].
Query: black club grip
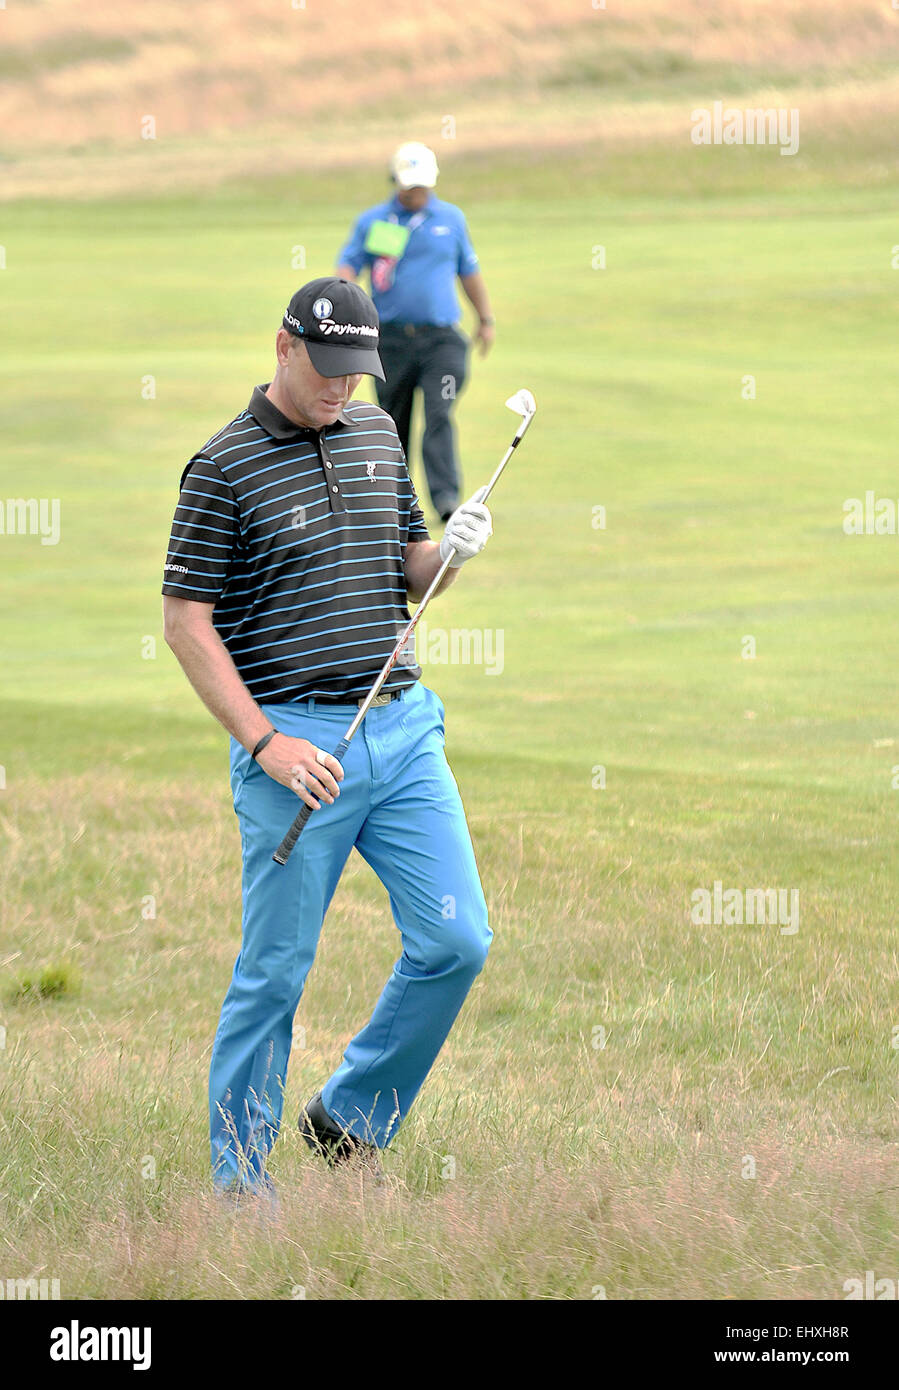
[288,844]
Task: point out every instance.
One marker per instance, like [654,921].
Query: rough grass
[729,1135]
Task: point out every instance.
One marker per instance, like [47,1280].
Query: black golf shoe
[335,1145]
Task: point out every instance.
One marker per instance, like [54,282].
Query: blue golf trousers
[400,807]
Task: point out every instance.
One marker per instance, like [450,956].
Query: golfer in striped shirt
[295,548]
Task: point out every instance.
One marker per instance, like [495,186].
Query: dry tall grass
[687,1158]
[233,88]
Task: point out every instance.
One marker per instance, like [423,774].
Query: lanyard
[383,268]
[414,221]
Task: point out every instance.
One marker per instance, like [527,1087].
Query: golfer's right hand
[309,771]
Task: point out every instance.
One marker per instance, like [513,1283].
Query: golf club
[523,404]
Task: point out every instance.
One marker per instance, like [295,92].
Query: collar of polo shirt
[397,206]
[276,423]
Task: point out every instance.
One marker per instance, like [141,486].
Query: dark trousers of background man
[434,360]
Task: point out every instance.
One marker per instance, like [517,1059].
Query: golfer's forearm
[476,291]
[208,665]
[422,563]
[346,272]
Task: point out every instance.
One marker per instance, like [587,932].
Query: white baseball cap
[414,166]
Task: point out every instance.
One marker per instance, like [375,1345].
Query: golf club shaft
[284,850]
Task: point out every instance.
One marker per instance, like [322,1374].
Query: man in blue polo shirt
[413,247]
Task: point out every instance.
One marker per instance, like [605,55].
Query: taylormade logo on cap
[364,329]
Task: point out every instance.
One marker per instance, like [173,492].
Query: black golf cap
[339,325]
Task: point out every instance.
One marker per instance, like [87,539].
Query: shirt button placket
[336,499]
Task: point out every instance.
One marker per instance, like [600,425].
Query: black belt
[410,330]
[383,699]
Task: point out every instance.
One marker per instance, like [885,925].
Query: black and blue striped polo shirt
[297,536]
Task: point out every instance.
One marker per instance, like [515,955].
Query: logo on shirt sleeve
[370,467]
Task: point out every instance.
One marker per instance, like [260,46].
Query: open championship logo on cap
[322,308]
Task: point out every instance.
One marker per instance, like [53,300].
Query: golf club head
[525,406]
[522,403]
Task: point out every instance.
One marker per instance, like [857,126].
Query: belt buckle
[378,700]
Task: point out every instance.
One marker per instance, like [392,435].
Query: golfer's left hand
[467,532]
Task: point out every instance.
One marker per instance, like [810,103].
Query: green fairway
[683,619]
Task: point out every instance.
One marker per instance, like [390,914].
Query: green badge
[386,239]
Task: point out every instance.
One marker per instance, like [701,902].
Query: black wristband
[263,742]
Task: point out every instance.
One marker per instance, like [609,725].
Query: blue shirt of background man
[439,249]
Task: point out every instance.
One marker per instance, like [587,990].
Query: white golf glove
[467,531]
